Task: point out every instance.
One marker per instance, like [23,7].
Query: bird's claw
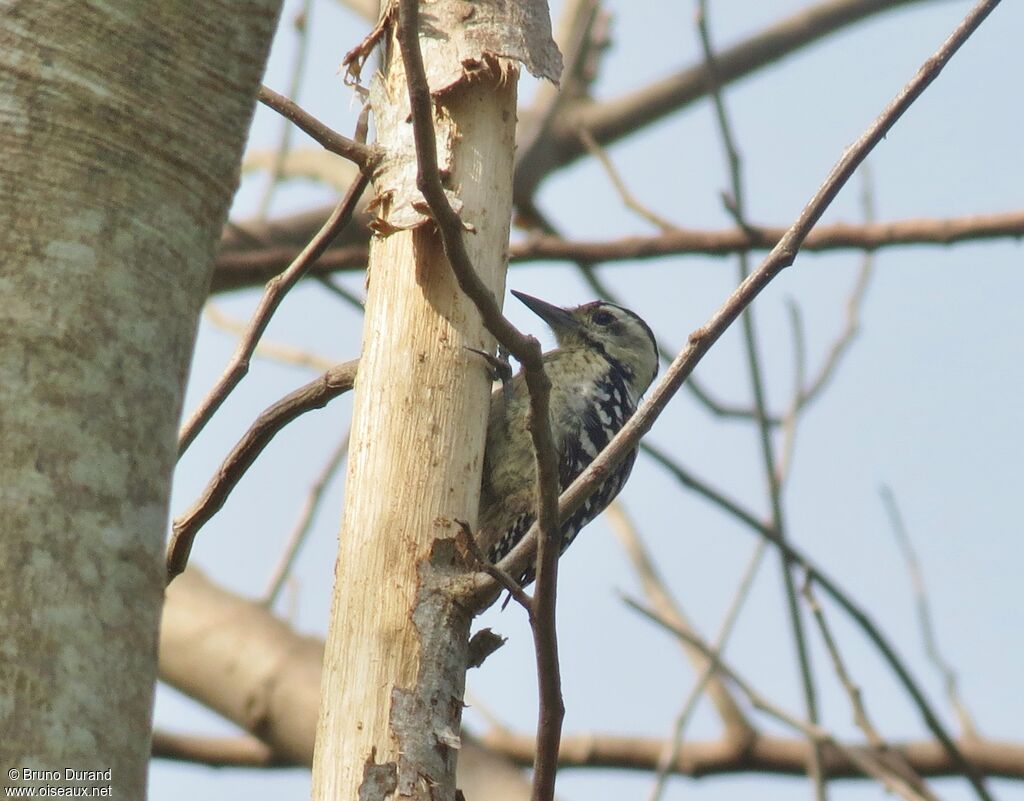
[499,368]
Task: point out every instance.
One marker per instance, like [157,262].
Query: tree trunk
[234,656]
[123,128]
[396,648]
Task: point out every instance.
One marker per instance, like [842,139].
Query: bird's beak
[558,318]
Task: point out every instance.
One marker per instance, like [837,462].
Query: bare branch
[924,616]
[767,755]
[791,418]
[732,614]
[275,351]
[824,238]
[865,761]
[237,267]
[365,156]
[302,26]
[885,648]
[205,629]
[627,197]
[612,120]
[860,715]
[234,656]
[580,36]
[854,303]
[352,299]
[661,599]
[314,395]
[273,294]
[305,522]
[739,731]
[705,490]
[736,204]
[469,543]
[243,751]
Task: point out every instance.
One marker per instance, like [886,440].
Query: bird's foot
[499,368]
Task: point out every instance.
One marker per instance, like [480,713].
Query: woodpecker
[605,360]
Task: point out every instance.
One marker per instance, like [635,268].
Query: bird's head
[616,334]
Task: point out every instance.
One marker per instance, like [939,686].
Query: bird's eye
[603,318]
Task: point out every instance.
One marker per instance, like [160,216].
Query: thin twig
[791,418]
[627,197]
[888,652]
[581,25]
[365,156]
[703,489]
[725,629]
[527,351]
[302,27]
[924,616]
[273,294]
[868,763]
[613,119]
[304,524]
[468,541]
[314,395]
[853,693]
[237,267]
[332,286]
[884,751]
[275,351]
[737,206]
[670,754]
[661,599]
[854,303]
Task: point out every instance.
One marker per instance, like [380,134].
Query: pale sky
[928,400]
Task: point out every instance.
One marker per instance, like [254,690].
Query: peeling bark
[426,718]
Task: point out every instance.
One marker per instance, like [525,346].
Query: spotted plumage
[605,360]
